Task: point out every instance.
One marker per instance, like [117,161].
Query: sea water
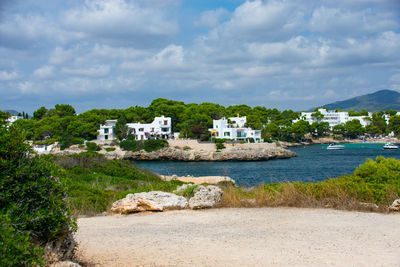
[313,163]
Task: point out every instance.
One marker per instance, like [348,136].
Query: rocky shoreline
[234,154]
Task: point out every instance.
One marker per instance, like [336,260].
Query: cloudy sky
[120,53]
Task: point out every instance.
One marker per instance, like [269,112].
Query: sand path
[242,237]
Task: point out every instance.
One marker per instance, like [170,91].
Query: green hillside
[380,100]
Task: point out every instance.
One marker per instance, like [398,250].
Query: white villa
[333,117]
[235,130]
[13,118]
[107,131]
[160,128]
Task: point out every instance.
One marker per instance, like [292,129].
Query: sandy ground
[242,237]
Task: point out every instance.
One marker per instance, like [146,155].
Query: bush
[31,197]
[148,145]
[90,146]
[16,248]
[219,146]
[109,149]
[69,141]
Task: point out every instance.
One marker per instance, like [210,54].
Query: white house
[235,130]
[160,128]
[107,130]
[13,118]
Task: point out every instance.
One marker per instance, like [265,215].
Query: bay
[313,163]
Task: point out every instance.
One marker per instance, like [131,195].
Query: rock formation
[256,154]
[149,201]
[205,197]
[395,205]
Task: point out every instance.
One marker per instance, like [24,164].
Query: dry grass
[288,195]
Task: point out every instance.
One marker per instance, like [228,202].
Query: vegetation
[148,145]
[376,182]
[90,146]
[93,183]
[33,209]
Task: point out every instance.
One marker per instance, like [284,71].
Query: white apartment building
[333,118]
[235,130]
[160,128]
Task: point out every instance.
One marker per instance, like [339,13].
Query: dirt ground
[242,237]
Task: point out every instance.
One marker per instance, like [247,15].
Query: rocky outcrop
[199,179]
[205,197]
[149,201]
[395,205]
[235,154]
[65,264]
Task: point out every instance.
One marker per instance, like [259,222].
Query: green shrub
[148,145]
[16,248]
[69,141]
[90,146]
[109,149]
[219,146]
[187,148]
[31,197]
[155,144]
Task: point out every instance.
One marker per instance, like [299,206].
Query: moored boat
[390,146]
[335,147]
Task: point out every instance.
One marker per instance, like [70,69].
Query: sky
[285,54]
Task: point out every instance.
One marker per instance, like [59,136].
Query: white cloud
[96,71]
[43,72]
[8,76]
[335,21]
[211,18]
[118,21]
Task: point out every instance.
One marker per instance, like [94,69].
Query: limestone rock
[395,205]
[65,264]
[205,197]
[149,201]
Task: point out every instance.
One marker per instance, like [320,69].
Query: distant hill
[11,111]
[380,100]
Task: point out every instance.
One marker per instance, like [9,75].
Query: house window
[106,137]
[216,126]
[165,122]
[106,130]
[152,130]
[227,134]
[164,129]
[141,129]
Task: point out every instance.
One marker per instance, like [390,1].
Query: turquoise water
[313,163]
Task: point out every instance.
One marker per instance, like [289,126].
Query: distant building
[160,128]
[332,117]
[107,130]
[12,119]
[234,129]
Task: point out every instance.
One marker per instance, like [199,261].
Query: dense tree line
[62,124]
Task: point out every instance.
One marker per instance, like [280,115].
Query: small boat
[390,146]
[336,147]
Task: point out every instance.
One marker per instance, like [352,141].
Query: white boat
[390,146]
[336,147]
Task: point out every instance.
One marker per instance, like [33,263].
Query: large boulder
[395,205]
[149,201]
[205,197]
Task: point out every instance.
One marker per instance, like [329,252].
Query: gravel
[242,237]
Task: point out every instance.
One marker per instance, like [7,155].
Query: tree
[353,129]
[317,115]
[320,128]
[32,200]
[40,113]
[394,124]
[121,129]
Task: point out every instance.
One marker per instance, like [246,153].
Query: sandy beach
[241,237]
